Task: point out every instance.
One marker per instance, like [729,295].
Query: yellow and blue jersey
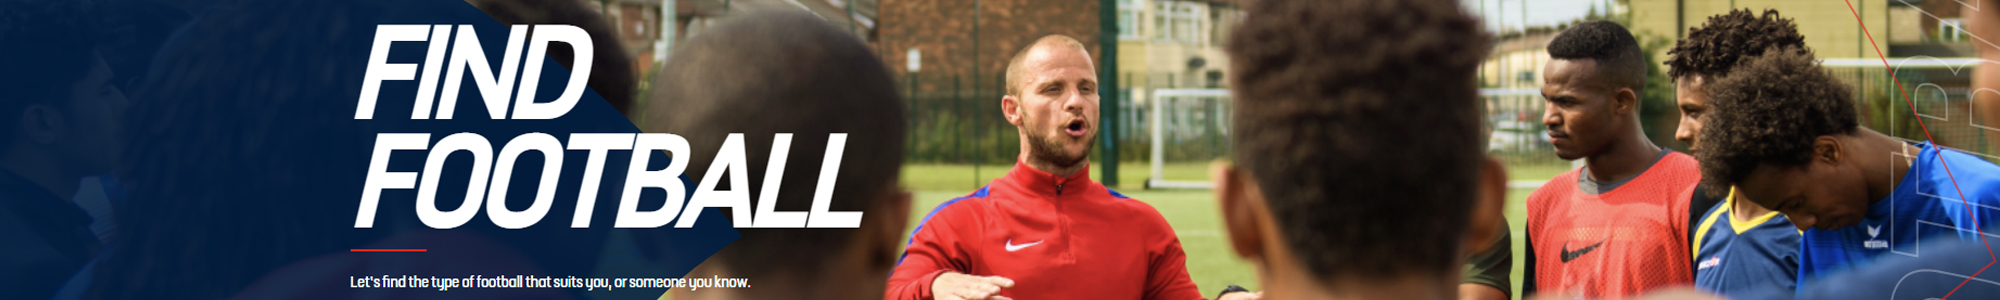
[1733,258]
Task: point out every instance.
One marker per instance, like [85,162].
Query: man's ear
[1242,209]
[1626,101]
[1828,149]
[41,124]
[1489,207]
[1011,108]
[895,211]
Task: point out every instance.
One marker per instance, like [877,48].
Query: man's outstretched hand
[955,286]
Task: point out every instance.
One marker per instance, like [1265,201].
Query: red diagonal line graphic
[1933,141]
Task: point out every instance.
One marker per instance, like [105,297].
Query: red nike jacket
[1056,237]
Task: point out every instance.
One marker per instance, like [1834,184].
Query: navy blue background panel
[240,167]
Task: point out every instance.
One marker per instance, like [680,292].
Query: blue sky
[1540,12]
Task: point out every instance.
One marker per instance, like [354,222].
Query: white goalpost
[1197,113]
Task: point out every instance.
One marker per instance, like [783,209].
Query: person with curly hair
[1739,247]
[1327,90]
[1785,132]
[1614,227]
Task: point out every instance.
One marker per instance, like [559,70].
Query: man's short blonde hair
[1014,65]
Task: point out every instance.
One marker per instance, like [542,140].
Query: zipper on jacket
[1059,189]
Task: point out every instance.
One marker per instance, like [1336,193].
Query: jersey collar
[1036,182]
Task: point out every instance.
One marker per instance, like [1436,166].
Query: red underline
[388,250]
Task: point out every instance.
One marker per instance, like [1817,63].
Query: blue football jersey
[1926,203]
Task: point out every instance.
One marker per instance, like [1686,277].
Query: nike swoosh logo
[1011,247]
[1572,255]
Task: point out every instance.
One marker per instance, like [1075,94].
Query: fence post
[975,92]
[956,121]
[1107,89]
[910,116]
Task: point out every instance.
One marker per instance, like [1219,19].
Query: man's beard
[1049,148]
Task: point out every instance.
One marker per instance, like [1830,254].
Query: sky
[1539,12]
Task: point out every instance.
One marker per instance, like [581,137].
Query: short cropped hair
[1014,65]
[1713,49]
[1358,120]
[1768,111]
[49,47]
[1620,63]
[789,72]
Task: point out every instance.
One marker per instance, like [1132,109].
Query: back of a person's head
[611,74]
[48,47]
[762,74]
[1620,62]
[1357,120]
[1768,111]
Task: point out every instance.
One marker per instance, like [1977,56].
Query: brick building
[941,34]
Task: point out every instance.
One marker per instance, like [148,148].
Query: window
[1128,19]
[1189,23]
[1951,30]
[1182,25]
[1180,21]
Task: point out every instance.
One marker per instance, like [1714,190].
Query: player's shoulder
[1114,194]
[1131,209]
[962,207]
[1561,183]
[1971,174]
[1699,197]
[1560,186]
[1129,205]
[1982,170]
[1697,193]
[1679,166]
[1674,179]
[1678,158]
[1776,230]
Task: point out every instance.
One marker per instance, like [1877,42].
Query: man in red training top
[1045,230]
[1614,228]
